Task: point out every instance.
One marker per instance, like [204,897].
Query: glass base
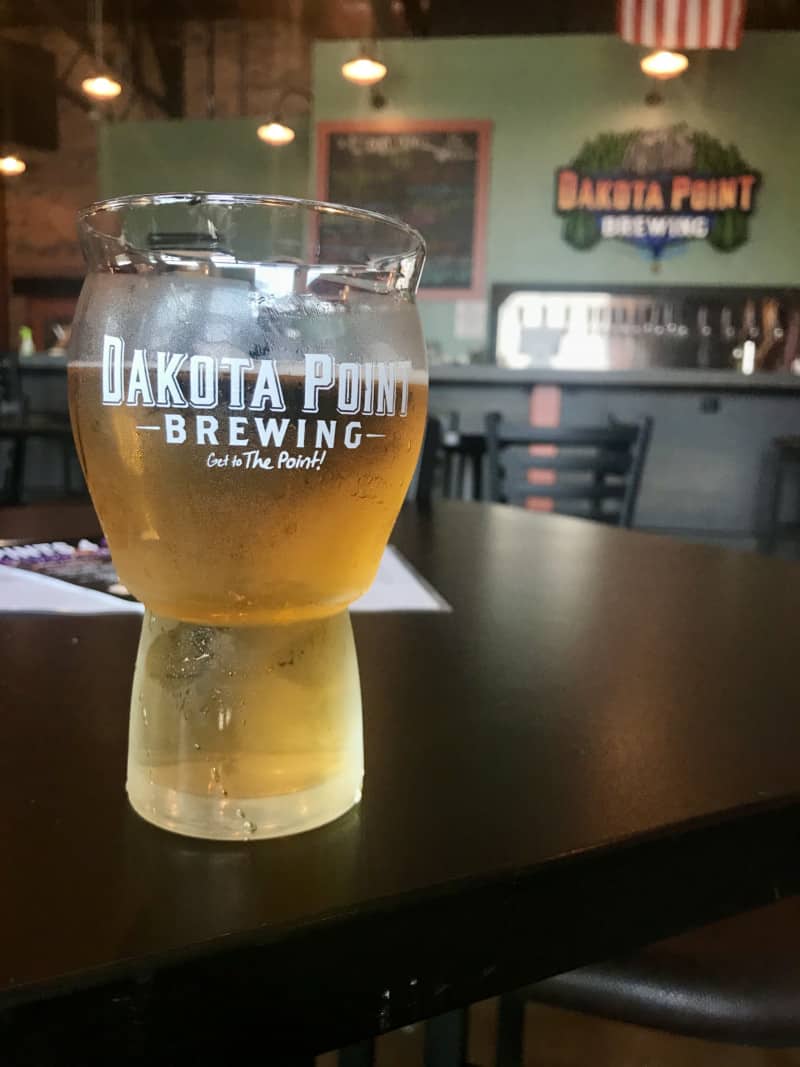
[241,733]
[241,818]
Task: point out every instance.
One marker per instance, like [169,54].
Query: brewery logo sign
[656,189]
[176,393]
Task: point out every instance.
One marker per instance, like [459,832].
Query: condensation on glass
[248,414]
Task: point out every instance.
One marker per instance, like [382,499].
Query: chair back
[11,399]
[451,462]
[597,470]
[422,484]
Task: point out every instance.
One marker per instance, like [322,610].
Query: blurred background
[611,233]
[611,304]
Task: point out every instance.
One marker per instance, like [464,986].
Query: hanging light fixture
[11,165]
[100,85]
[276,133]
[364,69]
[663,65]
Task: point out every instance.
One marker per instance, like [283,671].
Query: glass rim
[313,207]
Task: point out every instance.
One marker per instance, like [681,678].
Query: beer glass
[248,393]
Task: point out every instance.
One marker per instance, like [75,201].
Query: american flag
[679,25]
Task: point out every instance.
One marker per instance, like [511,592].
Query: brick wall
[255,61]
[276,55]
[41,204]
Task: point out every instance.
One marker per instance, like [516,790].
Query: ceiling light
[276,133]
[101,87]
[364,70]
[12,165]
[664,65]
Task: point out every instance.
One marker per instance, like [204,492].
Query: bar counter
[708,466]
[706,473]
[482,374]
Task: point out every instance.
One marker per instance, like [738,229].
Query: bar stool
[785,453]
[736,981]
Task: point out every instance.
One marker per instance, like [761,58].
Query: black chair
[18,425]
[12,446]
[785,454]
[462,462]
[598,469]
[428,460]
[736,981]
[451,462]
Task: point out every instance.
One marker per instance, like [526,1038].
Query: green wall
[215,155]
[545,96]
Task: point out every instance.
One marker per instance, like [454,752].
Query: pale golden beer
[274,545]
[248,432]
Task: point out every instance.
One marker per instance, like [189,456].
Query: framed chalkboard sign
[433,175]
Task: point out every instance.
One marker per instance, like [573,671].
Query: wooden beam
[419,21]
[74,96]
[52,11]
[167,43]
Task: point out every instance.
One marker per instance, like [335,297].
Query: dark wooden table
[598,747]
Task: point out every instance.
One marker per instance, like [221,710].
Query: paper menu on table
[28,591]
[397,587]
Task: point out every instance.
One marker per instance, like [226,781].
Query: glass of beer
[248,392]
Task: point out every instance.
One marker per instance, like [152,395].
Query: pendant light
[663,65]
[364,69]
[11,166]
[277,132]
[100,85]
